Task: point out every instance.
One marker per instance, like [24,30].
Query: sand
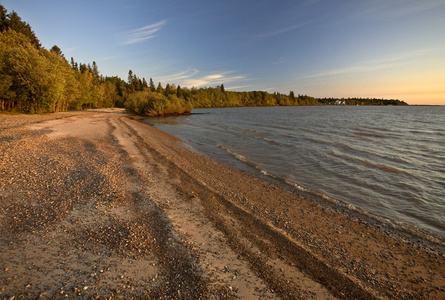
[97,204]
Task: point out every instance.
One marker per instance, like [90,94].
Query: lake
[386,160]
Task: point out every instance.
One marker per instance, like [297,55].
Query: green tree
[26,68]
[292,96]
[95,71]
[156,104]
[144,84]
[167,90]
[152,85]
[160,89]
[83,68]
[3,25]
[74,65]
[57,51]
[179,92]
[110,95]
[14,22]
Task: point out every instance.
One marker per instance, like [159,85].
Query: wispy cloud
[383,9]
[179,77]
[280,61]
[373,65]
[358,68]
[192,78]
[212,79]
[416,7]
[111,57]
[144,33]
[280,31]
[239,87]
[69,50]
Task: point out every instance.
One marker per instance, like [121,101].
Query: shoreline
[409,232]
[148,217]
[404,232]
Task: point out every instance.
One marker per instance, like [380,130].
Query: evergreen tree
[95,71]
[167,89]
[144,84]
[74,65]
[152,85]
[130,76]
[3,25]
[130,82]
[83,68]
[160,89]
[57,51]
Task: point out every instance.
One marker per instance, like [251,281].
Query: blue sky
[374,48]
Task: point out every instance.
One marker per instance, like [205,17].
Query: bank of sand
[96,205]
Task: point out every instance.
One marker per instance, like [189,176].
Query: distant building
[340,102]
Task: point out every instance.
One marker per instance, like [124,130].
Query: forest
[36,80]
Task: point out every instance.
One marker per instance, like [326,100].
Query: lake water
[386,160]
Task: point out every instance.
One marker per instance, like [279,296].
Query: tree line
[36,80]
[360,101]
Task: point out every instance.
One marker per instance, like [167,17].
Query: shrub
[156,104]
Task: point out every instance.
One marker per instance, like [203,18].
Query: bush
[155,104]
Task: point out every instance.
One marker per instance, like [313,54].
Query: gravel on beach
[97,205]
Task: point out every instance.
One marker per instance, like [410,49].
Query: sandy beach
[98,205]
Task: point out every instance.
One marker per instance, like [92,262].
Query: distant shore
[96,204]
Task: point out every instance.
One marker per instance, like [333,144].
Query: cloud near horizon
[212,79]
[191,78]
[144,33]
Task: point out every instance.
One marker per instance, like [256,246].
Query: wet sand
[96,205]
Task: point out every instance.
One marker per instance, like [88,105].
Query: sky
[392,49]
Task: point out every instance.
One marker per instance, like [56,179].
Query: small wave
[390,169]
[422,121]
[361,133]
[296,185]
[255,131]
[245,160]
[392,157]
[233,153]
[250,134]
[343,146]
[416,132]
[270,140]
[375,165]
[323,142]
[274,142]
[377,128]
[307,130]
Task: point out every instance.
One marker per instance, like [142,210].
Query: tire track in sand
[237,260]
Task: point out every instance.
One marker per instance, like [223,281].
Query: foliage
[31,75]
[155,104]
[34,80]
[219,97]
[12,21]
[360,101]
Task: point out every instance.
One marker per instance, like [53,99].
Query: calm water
[389,161]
